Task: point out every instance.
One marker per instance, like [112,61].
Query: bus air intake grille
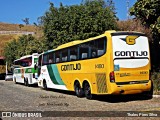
[101,83]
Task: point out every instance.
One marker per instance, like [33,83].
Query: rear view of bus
[131,63]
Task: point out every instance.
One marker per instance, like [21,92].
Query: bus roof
[79,41]
[69,44]
[111,32]
[26,56]
[128,33]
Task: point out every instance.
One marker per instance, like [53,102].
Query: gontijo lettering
[131,53]
[69,67]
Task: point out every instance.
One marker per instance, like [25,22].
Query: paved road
[17,97]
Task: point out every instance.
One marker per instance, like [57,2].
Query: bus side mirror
[35,66]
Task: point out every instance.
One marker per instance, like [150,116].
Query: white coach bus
[24,70]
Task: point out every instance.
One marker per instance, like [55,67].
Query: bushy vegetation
[134,25]
[65,24]
[148,12]
[77,22]
[156,82]
[24,45]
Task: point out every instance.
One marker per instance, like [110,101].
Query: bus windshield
[24,62]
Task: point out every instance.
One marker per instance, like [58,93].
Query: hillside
[17,27]
[5,38]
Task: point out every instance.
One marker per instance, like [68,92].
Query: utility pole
[127,4]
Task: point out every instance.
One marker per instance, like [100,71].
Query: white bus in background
[25,70]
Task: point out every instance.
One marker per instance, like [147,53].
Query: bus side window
[93,49]
[84,50]
[64,59]
[101,46]
[94,54]
[57,60]
[64,55]
[73,57]
[84,55]
[97,47]
[73,53]
[45,59]
[100,52]
[58,56]
[51,58]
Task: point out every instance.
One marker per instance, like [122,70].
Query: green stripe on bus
[57,75]
[51,74]
[27,70]
[54,74]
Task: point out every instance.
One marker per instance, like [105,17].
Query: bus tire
[45,85]
[78,90]
[87,91]
[25,83]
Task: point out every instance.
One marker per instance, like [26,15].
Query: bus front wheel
[78,90]
[87,91]
[45,85]
[15,81]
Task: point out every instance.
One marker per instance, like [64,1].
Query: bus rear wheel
[87,91]
[78,90]
[26,82]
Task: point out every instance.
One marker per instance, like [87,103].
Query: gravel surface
[17,97]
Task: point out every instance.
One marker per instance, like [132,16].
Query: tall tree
[25,45]
[68,23]
[148,11]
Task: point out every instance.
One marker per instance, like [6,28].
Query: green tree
[68,23]
[148,11]
[10,51]
[25,45]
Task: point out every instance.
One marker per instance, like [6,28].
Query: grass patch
[155,76]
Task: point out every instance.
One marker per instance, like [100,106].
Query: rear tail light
[112,77]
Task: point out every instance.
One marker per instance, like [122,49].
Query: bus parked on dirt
[24,70]
[112,63]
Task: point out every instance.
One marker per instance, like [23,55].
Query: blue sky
[13,11]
